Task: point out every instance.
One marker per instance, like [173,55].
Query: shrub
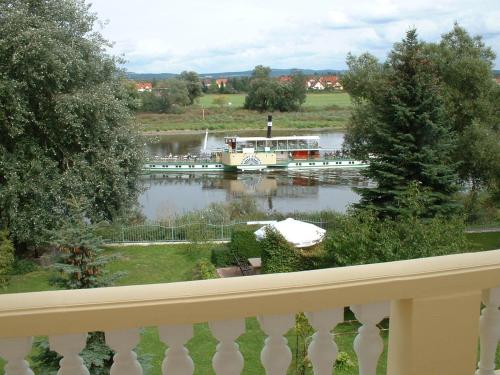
[222,257]
[204,270]
[6,257]
[23,266]
[278,255]
[361,238]
[244,243]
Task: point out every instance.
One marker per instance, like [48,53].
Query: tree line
[263,92]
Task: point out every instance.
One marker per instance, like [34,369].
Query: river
[167,194]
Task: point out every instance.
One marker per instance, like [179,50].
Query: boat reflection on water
[284,191]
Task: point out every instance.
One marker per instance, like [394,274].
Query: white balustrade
[177,360]
[323,350]
[489,332]
[276,355]
[14,351]
[125,360]
[69,347]
[368,344]
[227,359]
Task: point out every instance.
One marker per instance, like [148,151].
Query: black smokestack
[269,125]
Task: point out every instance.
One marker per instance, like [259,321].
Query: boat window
[311,163]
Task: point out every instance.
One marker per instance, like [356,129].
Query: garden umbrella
[298,233]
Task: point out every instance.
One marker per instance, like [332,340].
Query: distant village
[315,83]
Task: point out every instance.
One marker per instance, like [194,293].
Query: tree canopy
[459,69]
[267,94]
[193,84]
[68,145]
[400,120]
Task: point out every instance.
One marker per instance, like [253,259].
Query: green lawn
[318,100]
[330,110]
[170,263]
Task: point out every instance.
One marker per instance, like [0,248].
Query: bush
[278,255]
[23,266]
[361,238]
[244,243]
[204,270]
[6,257]
[222,257]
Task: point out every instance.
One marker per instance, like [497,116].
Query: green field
[170,263]
[318,100]
[329,110]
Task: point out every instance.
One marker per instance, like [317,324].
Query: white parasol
[298,233]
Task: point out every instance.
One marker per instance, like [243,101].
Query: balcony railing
[433,304]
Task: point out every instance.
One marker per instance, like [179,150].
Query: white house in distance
[144,86]
[324,82]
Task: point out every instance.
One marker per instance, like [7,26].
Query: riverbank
[222,131]
[320,112]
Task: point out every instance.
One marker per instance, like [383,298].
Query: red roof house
[144,86]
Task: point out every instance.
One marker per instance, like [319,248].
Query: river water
[167,194]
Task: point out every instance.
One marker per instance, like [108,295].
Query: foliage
[244,243]
[267,94]
[169,96]
[204,270]
[405,129]
[303,333]
[81,263]
[6,257]
[193,85]
[472,102]
[222,257]
[23,266]
[361,237]
[278,255]
[96,356]
[220,100]
[460,67]
[81,266]
[343,362]
[68,142]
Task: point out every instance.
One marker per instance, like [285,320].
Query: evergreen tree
[407,134]
[81,265]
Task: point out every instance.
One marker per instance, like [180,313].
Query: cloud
[231,35]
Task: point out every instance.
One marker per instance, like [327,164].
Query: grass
[329,110]
[170,263]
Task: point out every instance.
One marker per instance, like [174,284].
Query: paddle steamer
[242,154]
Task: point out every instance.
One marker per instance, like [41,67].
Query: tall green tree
[67,137]
[268,94]
[461,66]
[406,130]
[464,66]
[193,83]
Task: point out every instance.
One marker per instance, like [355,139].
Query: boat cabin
[291,147]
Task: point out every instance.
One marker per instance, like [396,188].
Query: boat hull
[220,167]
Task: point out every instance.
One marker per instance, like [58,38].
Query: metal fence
[192,232]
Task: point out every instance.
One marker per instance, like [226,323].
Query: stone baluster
[227,359]
[368,344]
[276,355]
[177,360]
[69,347]
[489,332]
[323,350]
[123,343]
[14,351]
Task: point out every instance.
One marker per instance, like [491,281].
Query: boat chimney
[269,125]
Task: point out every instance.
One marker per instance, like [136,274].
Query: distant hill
[246,73]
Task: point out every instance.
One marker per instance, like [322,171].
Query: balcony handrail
[113,308]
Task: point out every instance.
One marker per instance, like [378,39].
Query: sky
[207,36]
